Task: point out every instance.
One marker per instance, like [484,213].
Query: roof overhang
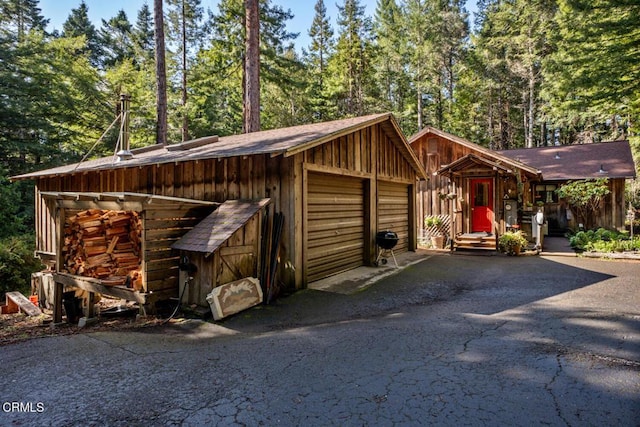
[481,152]
[472,160]
[121,201]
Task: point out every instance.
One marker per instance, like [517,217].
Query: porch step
[482,241]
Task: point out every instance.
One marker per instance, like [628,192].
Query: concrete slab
[357,279]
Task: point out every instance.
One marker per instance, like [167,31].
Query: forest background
[529,73]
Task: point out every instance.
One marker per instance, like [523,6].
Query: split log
[104,244]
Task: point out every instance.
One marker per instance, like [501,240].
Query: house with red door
[478,193]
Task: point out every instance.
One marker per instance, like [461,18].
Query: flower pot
[516,250]
[437,242]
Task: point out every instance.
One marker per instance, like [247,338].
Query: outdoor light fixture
[557,156]
[602,169]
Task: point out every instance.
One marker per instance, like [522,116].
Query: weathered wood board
[234,297]
[16,301]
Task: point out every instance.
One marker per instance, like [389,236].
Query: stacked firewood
[104,244]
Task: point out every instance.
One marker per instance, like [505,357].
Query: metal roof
[285,141]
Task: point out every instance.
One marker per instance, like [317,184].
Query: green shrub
[602,240]
[17,263]
[508,242]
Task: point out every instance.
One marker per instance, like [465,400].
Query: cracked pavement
[454,340]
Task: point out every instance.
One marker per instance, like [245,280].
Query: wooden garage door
[393,211]
[335,224]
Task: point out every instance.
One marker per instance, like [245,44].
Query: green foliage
[512,242]
[17,263]
[592,80]
[585,197]
[16,207]
[602,240]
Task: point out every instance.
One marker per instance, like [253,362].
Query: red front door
[482,205]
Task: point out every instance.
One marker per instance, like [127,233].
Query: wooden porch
[477,240]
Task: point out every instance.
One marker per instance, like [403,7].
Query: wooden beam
[94,285]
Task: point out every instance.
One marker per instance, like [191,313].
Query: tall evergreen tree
[592,81]
[350,66]
[116,39]
[18,17]
[218,73]
[79,24]
[251,89]
[391,61]
[142,34]
[161,73]
[186,35]
[320,50]
[512,43]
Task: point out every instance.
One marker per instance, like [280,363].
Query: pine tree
[116,39]
[251,90]
[186,35]
[512,44]
[391,61]
[161,73]
[350,67]
[218,72]
[142,34]
[592,81]
[18,17]
[317,57]
[78,24]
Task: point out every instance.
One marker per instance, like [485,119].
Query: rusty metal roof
[579,161]
[285,141]
[213,231]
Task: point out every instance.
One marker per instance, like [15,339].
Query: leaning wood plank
[234,297]
[25,305]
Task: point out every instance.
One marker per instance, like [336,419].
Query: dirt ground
[20,327]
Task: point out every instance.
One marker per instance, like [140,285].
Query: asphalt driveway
[453,340]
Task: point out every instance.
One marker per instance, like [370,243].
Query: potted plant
[437,241]
[512,242]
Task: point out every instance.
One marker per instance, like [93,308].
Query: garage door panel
[321,225]
[335,224]
[393,211]
[342,240]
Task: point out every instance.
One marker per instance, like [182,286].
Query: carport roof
[285,141]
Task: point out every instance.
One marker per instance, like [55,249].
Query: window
[546,193]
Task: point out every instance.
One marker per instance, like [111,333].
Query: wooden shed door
[335,224]
[393,211]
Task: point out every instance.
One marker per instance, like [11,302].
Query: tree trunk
[532,106]
[185,118]
[161,74]
[251,122]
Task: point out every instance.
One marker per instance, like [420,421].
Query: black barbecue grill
[386,241]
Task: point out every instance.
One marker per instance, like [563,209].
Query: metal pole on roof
[125,152]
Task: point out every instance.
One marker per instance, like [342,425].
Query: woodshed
[335,184]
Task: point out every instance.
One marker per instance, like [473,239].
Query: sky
[57,11]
